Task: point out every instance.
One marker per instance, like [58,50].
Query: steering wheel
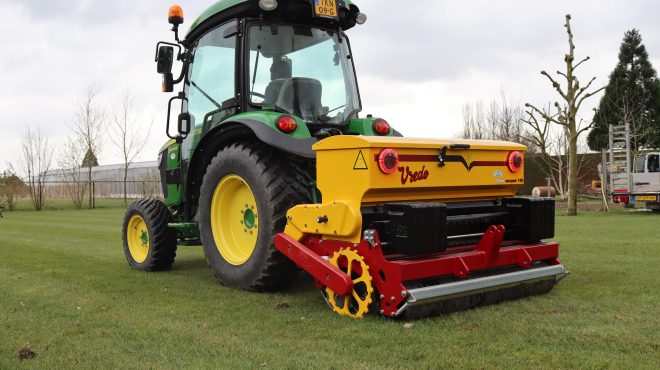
[259,95]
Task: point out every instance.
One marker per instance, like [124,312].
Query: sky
[418,62]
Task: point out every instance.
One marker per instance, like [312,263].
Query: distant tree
[632,95]
[501,120]
[70,160]
[552,145]
[11,187]
[36,159]
[572,96]
[148,184]
[88,129]
[127,135]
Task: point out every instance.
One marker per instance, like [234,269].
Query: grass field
[67,292]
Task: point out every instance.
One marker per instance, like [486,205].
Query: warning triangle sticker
[360,162]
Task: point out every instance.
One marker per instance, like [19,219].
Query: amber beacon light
[175,15]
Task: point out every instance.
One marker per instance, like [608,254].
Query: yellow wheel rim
[234,219]
[137,237]
[357,302]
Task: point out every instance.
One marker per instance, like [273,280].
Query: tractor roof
[237,8]
[214,9]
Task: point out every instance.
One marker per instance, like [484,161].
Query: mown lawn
[67,292]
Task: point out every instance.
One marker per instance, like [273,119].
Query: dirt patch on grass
[26,353]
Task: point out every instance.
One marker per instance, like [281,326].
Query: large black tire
[162,241]
[277,183]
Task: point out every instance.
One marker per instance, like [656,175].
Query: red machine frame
[391,271]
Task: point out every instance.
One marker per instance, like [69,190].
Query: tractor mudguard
[240,128]
[298,146]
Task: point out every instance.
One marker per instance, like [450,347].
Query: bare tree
[88,129]
[37,157]
[572,96]
[127,135]
[473,121]
[553,146]
[148,184]
[502,120]
[70,161]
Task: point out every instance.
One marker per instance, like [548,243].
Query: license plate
[645,198]
[325,8]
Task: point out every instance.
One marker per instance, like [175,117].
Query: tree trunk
[89,184]
[125,178]
[572,172]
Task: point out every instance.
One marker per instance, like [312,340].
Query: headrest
[281,68]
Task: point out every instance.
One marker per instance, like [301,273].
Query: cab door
[210,86]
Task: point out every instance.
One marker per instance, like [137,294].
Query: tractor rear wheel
[244,197]
[149,244]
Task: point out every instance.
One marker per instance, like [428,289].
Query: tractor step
[186,230]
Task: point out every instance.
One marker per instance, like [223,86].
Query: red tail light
[515,161]
[620,198]
[388,160]
[286,124]
[381,127]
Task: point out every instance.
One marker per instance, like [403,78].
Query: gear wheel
[357,303]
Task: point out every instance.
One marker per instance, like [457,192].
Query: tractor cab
[287,57]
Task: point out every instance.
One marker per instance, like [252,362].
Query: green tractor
[272,170]
[242,153]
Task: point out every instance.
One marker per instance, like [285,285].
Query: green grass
[62,204]
[67,292]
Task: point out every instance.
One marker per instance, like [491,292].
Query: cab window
[653,163]
[212,76]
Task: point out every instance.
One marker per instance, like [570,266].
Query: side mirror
[184,123]
[165,59]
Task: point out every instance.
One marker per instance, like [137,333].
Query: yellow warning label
[360,162]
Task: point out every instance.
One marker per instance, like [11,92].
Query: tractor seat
[280,71]
[301,96]
[273,90]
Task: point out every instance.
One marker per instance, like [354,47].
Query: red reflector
[381,127]
[388,160]
[286,124]
[515,161]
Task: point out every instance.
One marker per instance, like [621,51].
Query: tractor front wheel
[245,194]
[149,244]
